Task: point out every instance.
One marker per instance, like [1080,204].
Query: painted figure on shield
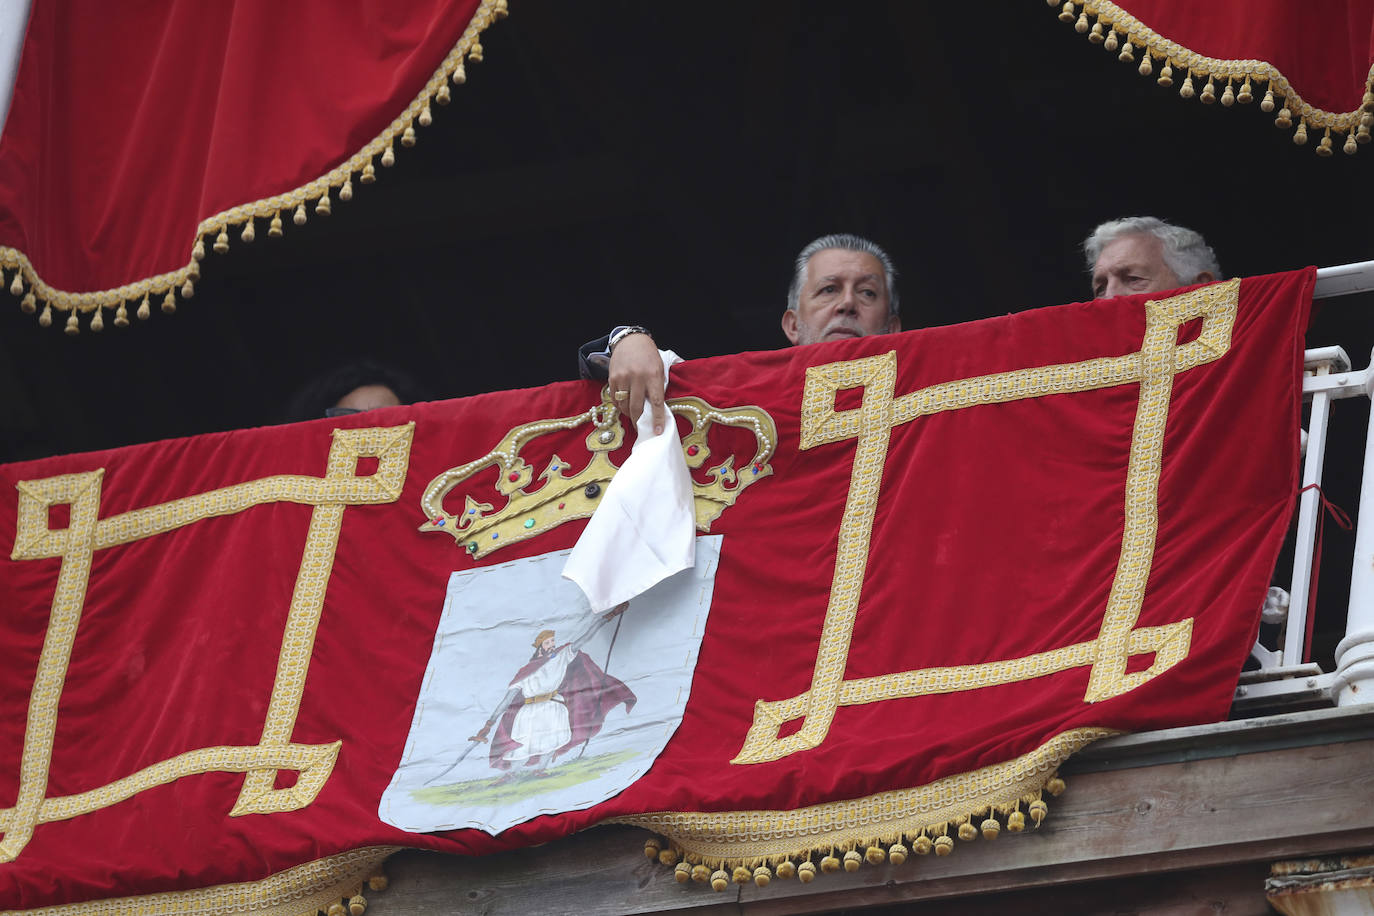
[559,699]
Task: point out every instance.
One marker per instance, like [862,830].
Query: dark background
[662,163]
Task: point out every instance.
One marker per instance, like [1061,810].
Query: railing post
[1355,653]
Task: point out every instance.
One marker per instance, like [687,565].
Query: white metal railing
[1283,677]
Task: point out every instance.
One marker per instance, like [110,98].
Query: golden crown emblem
[566,495]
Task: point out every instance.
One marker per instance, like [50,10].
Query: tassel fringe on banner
[1212,80]
[34,295]
[328,887]
[740,847]
[804,864]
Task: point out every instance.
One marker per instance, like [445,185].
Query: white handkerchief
[645,528]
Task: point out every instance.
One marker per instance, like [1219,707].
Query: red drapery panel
[947,559]
[138,128]
[1311,65]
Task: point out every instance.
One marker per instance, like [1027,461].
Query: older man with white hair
[1143,254]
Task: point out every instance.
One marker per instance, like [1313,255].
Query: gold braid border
[1114,22]
[916,820]
[319,886]
[26,283]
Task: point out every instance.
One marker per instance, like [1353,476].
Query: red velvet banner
[111,168]
[948,558]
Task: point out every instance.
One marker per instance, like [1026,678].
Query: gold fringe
[722,862]
[467,48]
[1112,21]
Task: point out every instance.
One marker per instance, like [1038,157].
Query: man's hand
[482,735]
[636,374]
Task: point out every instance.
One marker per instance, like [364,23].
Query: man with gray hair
[842,286]
[1142,254]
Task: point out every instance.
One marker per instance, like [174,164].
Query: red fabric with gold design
[997,535]
[132,122]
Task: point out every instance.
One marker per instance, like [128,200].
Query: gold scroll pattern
[86,532]
[1153,368]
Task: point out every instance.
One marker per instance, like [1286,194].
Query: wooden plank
[1186,815]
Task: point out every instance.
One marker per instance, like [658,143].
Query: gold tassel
[830,864]
[668,857]
[322,206]
[475,52]
[875,855]
[1362,135]
[1038,809]
[1267,103]
[682,873]
[441,95]
[1187,89]
[1127,54]
[652,847]
[299,216]
[28,304]
[426,118]
[1016,822]
[787,869]
[378,882]
[357,905]
[169,303]
[1081,26]
[720,880]
[806,872]
[222,240]
[388,158]
[944,845]
[335,909]
[1066,14]
[502,10]
[922,845]
[17,287]
[701,874]
[274,228]
[369,174]
[1368,103]
[121,319]
[1051,3]
[194,271]
[143,310]
[346,192]
[1146,66]
[1228,96]
[967,832]
[460,75]
[1209,93]
[248,233]
[742,875]
[1351,147]
[1055,786]
[1095,36]
[1284,119]
[198,251]
[45,319]
[1166,75]
[991,828]
[1324,147]
[852,860]
[1245,96]
[72,327]
[1300,135]
[408,136]
[896,854]
[762,876]
[98,320]
[1111,43]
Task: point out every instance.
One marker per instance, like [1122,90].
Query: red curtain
[137,127]
[1317,60]
[1002,539]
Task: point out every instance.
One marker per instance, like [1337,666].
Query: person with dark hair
[364,384]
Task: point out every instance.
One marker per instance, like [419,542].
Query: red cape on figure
[587,691]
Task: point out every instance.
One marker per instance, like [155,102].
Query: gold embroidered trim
[1153,368]
[76,545]
[299,891]
[1114,23]
[753,838]
[26,283]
